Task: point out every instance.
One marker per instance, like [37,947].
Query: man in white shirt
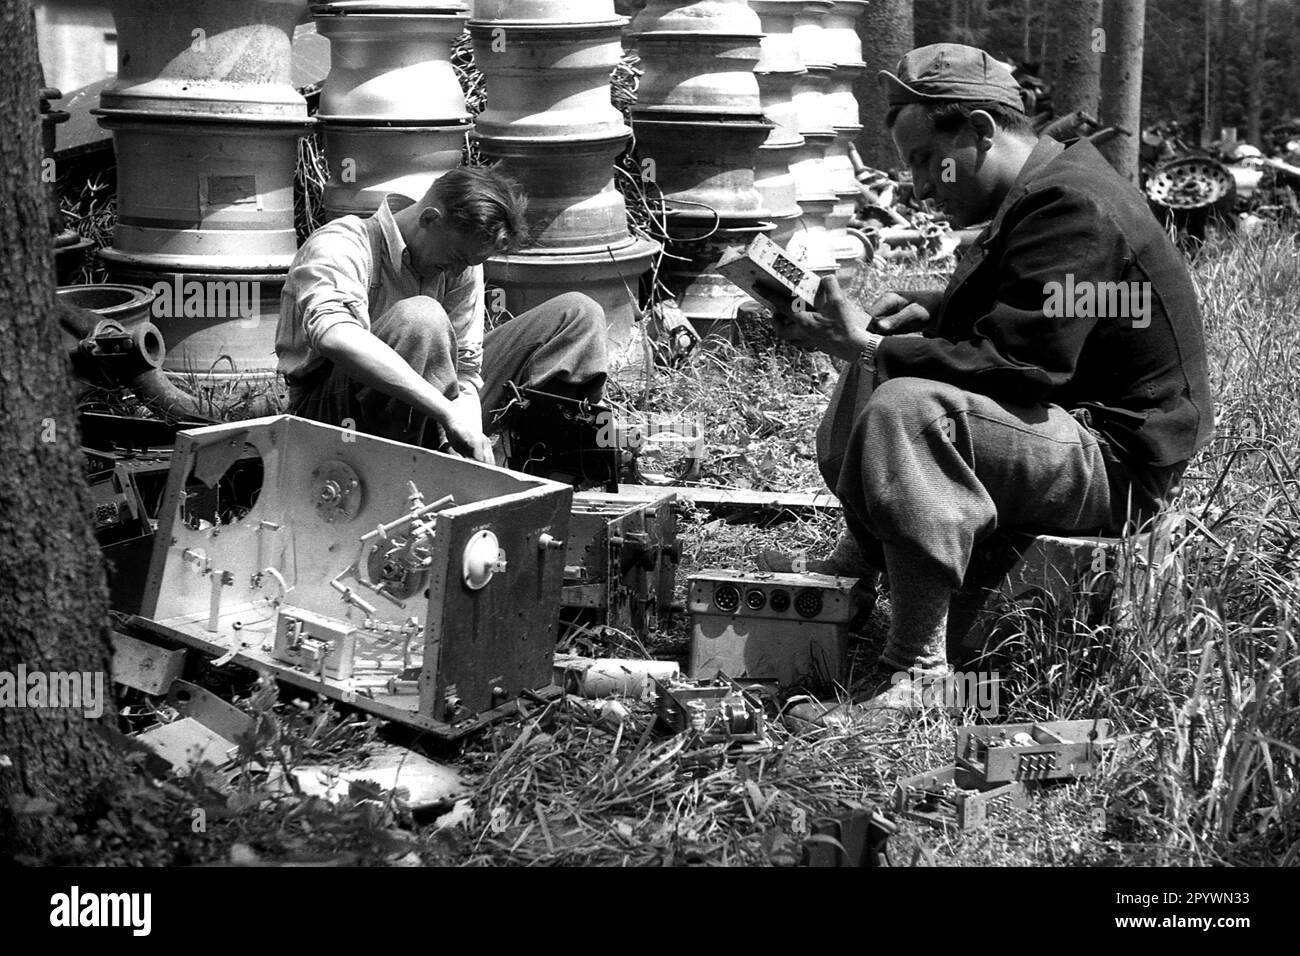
[382,320]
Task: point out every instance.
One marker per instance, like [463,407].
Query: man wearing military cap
[1058,384]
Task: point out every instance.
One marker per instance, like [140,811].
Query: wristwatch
[868,354]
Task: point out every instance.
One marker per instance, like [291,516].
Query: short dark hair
[486,203]
[948,116]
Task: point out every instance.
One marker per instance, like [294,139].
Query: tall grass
[1196,658]
[1189,648]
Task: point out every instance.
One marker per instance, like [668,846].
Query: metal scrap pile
[1225,185]
[899,226]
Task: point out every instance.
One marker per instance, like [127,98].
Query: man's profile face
[440,246]
[948,168]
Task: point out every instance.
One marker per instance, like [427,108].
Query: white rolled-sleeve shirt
[341,275]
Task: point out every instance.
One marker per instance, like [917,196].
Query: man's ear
[431,215]
[985,129]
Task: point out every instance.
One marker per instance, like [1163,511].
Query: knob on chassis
[482,559]
[337,491]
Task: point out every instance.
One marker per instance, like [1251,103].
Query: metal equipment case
[767,625]
[444,574]
[621,561]
[1056,750]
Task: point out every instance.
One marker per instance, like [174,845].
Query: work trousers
[558,347]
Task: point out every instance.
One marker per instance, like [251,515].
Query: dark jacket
[1071,219]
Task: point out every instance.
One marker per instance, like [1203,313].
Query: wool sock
[919,593]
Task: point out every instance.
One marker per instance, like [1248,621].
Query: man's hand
[467,439]
[466,418]
[834,326]
[894,314]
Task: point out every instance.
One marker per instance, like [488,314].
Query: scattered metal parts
[187,743]
[611,677]
[716,711]
[206,732]
[143,666]
[191,700]
[1058,750]
[314,643]
[350,597]
[953,797]
[1191,182]
[422,782]
[119,512]
[558,437]
[621,561]
[855,838]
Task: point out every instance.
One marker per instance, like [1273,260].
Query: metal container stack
[823,222]
[392,114]
[699,125]
[550,123]
[844,47]
[779,68]
[699,114]
[205,126]
[782,76]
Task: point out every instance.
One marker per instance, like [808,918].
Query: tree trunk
[1077,83]
[886,31]
[1293,74]
[1121,83]
[1255,95]
[1026,21]
[52,590]
[1207,93]
[1218,97]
